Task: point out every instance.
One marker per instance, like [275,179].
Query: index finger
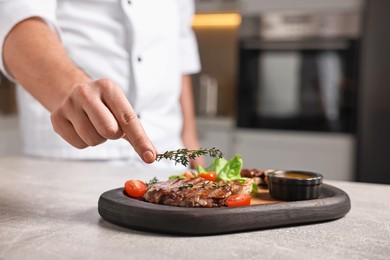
[129,122]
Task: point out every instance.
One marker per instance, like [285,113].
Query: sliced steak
[258,176]
[250,173]
[196,192]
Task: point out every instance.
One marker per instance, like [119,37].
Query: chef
[95,75]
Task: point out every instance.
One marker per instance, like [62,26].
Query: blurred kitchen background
[289,84]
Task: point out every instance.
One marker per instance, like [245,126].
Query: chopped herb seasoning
[185,186]
[204,184]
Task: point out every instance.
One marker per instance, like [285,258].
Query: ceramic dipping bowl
[294,185]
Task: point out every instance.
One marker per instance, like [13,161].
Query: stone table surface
[48,210]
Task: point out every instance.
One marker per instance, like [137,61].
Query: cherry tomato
[189,175]
[239,200]
[210,176]
[135,188]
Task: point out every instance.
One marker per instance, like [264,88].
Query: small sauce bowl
[294,185]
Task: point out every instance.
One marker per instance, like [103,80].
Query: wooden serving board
[265,212]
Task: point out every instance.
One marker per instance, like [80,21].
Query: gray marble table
[48,210]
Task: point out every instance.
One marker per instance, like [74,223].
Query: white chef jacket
[145,46]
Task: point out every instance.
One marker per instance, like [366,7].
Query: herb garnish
[218,185]
[152,182]
[204,184]
[185,186]
[183,156]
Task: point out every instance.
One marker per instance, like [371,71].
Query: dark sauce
[294,175]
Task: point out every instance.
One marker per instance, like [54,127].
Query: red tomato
[210,176]
[239,200]
[135,188]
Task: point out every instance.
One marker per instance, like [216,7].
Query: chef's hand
[89,113]
[97,111]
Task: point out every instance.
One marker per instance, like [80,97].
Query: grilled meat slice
[258,176]
[196,192]
[250,173]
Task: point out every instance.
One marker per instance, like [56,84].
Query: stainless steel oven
[299,71]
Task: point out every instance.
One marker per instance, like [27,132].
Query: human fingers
[65,129]
[79,124]
[85,129]
[128,120]
[97,111]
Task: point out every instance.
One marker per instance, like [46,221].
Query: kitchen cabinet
[372,163]
[327,153]
[218,133]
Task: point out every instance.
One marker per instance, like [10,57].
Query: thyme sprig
[152,182]
[183,156]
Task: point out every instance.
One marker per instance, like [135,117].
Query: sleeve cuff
[13,12]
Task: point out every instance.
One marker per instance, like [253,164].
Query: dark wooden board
[114,206]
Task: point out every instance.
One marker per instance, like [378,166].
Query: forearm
[189,132]
[35,57]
